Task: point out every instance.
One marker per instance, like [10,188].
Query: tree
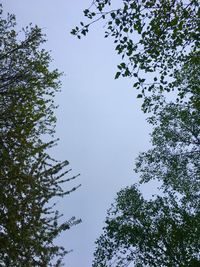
[161,39]
[163,231]
[30,178]
[174,158]
[159,44]
[159,232]
[155,37]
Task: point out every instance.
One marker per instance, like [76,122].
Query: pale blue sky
[100,125]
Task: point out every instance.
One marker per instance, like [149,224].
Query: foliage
[154,37]
[174,158]
[159,43]
[159,232]
[30,178]
[163,231]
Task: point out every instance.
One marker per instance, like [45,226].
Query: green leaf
[117,75]
[139,96]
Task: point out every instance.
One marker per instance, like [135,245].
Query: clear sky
[100,125]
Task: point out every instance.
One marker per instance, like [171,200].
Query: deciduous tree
[153,37]
[30,179]
[163,231]
[159,43]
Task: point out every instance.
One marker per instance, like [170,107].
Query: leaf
[139,96]
[117,75]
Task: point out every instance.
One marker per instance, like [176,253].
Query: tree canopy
[159,43]
[30,178]
[159,232]
[157,38]
[162,231]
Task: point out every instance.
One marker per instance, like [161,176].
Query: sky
[100,124]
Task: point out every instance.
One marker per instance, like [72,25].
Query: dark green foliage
[29,177]
[174,158]
[163,231]
[154,37]
[160,232]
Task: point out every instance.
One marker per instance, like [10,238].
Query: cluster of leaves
[163,231]
[155,37]
[174,158]
[29,177]
[159,232]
